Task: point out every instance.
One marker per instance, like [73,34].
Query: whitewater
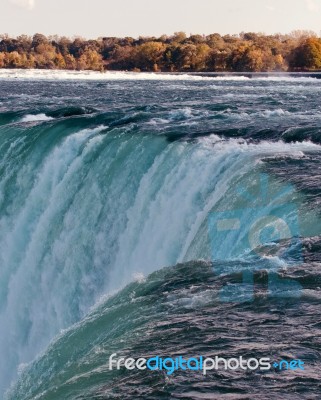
[107,186]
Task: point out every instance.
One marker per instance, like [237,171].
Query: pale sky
[94,18]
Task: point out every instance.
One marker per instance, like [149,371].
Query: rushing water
[107,179]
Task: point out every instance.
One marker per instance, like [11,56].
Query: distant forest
[246,52]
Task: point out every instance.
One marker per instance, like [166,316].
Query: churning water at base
[105,183]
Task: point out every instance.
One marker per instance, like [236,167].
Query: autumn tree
[63,45]
[123,58]
[215,41]
[45,55]
[13,60]
[218,60]
[59,61]
[38,39]
[247,58]
[90,59]
[149,55]
[307,55]
[70,62]
[179,37]
[2,60]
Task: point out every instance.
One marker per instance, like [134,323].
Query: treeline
[246,52]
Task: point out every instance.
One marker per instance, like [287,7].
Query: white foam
[34,74]
[274,113]
[35,118]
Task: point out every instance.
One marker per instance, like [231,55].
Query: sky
[96,18]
